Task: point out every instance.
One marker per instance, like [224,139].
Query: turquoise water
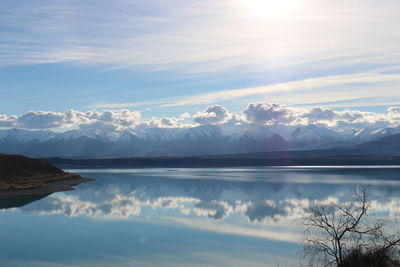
[183,217]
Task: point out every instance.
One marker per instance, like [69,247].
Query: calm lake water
[181,217]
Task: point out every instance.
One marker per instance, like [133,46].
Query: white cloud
[331,89]
[216,210]
[42,120]
[158,40]
[166,122]
[355,40]
[212,115]
[108,119]
[260,113]
[268,113]
[6,121]
[320,113]
[340,119]
[185,115]
[169,122]
[122,117]
[394,112]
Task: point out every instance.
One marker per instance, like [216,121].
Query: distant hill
[19,172]
[199,141]
[383,145]
[195,141]
[382,151]
[302,158]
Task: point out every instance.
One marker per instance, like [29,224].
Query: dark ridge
[239,160]
[16,166]
[19,201]
[20,173]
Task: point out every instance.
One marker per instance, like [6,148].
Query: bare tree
[337,234]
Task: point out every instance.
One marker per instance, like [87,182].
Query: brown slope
[19,172]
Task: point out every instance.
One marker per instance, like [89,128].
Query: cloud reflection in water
[260,199]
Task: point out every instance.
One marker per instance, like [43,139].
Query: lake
[181,217]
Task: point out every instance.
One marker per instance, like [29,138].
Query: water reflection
[261,196]
[7,202]
[184,217]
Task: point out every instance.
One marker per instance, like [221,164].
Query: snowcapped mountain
[201,140]
[257,132]
[202,132]
[313,133]
[158,134]
[371,133]
[91,133]
[312,136]
[364,132]
[73,134]
[25,136]
[126,137]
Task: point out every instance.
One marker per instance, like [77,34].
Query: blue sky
[164,58]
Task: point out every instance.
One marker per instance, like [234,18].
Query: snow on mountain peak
[204,131]
[25,136]
[313,133]
[258,132]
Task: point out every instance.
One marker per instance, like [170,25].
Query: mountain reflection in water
[253,205]
[260,195]
[7,202]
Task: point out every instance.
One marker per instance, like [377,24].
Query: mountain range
[201,140]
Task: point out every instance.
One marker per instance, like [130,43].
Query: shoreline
[64,182]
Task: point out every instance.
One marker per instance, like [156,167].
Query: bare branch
[341,231]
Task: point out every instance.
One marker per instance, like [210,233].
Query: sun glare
[270,9]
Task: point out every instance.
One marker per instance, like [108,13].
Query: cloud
[212,115]
[332,88]
[145,36]
[161,123]
[345,118]
[42,120]
[6,121]
[185,115]
[353,115]
[258,113]
[216,210]
[134,37]
[266,210]
[122,117]
[108,120]
[394,112]
[267,113]
[320,113]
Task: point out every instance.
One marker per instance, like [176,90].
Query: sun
[270,9]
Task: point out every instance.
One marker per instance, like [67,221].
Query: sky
[172,57]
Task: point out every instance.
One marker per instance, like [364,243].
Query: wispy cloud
[312,90]
[324,52]
[196,37]
[114,122]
